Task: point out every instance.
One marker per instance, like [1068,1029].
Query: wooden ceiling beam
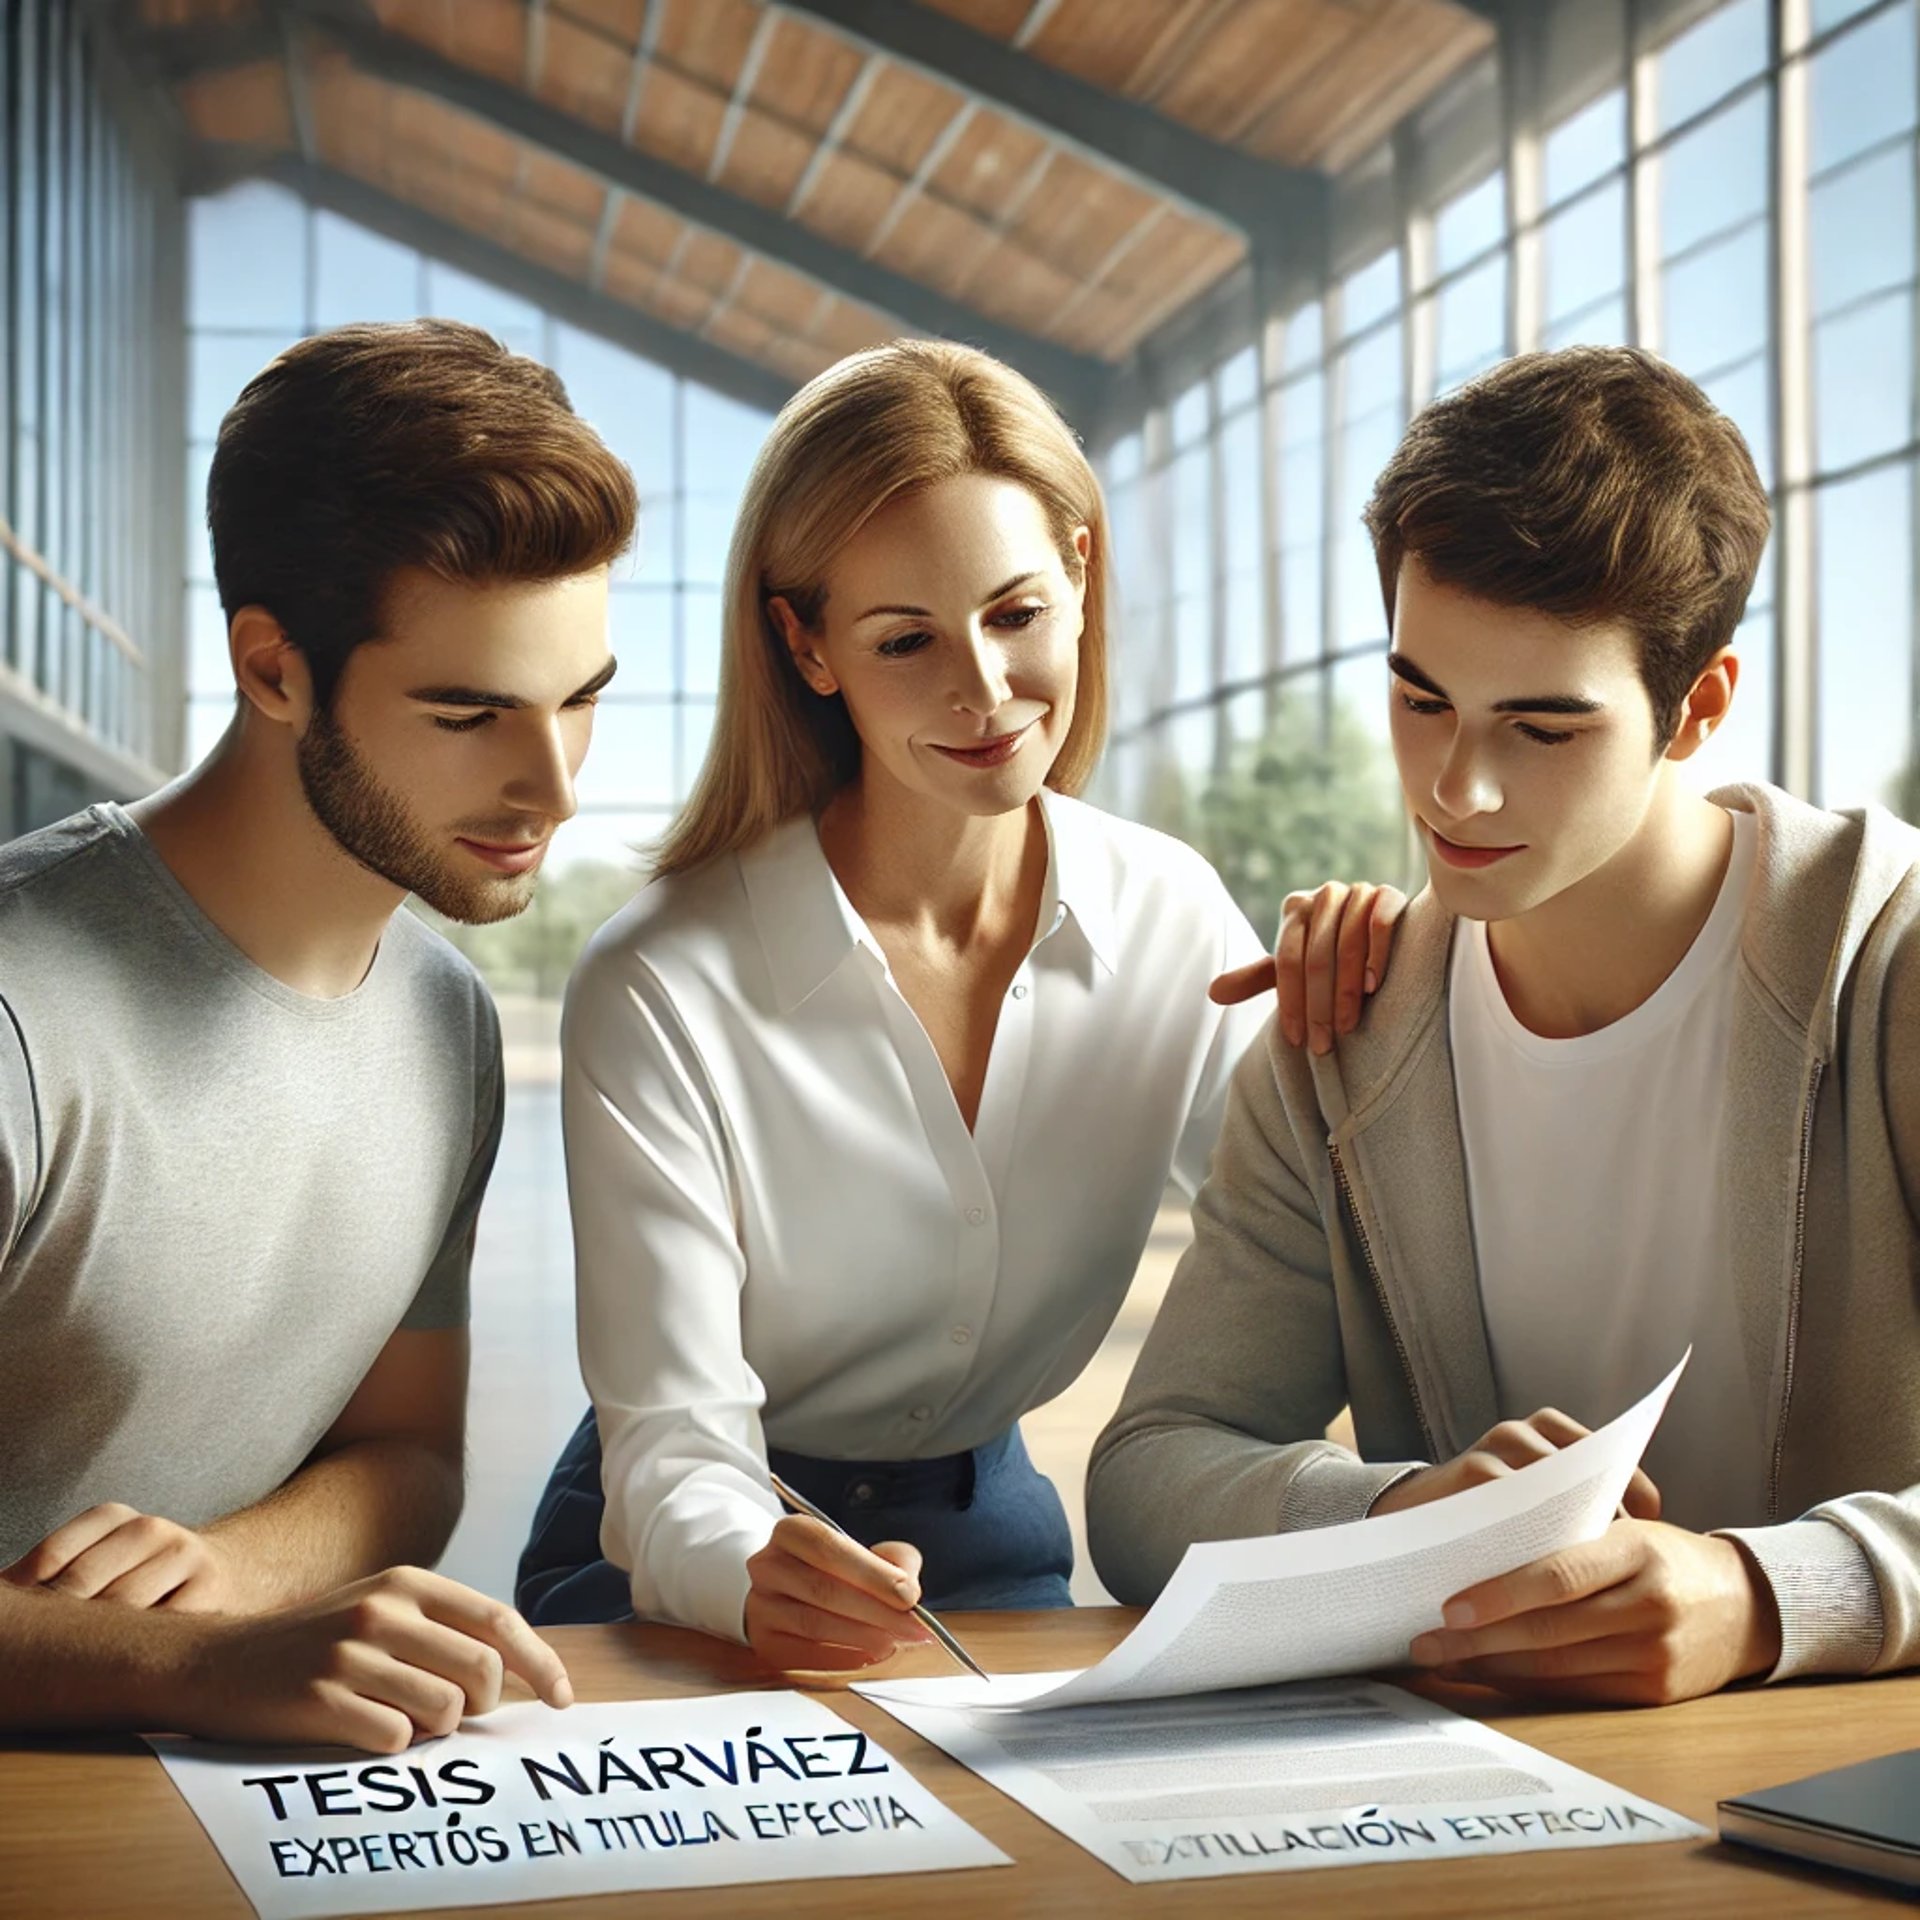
[743,85]
[206,46]
[213,169]
[1276,207]
[1075,380]
[299,90]
[639,69]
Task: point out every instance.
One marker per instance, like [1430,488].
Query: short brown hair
[421,443]
[1597,484]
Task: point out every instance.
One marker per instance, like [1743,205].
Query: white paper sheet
[1346,1599]
[530,1804]
[1314,1774]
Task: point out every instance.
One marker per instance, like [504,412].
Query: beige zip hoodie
[1333,1260]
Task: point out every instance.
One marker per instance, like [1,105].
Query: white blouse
[785,1234]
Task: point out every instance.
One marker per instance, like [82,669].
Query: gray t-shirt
[218,1197]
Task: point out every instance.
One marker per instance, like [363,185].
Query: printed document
[529,1804]
[1268,1779]
[1346,1599]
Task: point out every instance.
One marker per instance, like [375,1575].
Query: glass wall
[1738,199]
[689,450]
[89,381]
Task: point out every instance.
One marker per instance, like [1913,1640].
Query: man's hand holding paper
[1646,1615]
[1505,1449]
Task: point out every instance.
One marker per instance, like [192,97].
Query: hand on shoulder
[1331,954]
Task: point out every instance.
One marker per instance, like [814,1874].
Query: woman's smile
[990,753]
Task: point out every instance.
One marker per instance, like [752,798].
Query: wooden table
[93,1827]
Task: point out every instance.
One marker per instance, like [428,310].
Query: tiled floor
[526,1392]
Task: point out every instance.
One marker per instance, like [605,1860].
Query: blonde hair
[872,428]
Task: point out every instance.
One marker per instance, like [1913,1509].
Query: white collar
[808,926]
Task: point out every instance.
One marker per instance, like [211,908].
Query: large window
[88,631]
[1625,192]
[689,451]
[1583,237]
[1470,259]
[1860,169]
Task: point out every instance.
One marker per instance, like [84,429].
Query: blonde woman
[871,1094]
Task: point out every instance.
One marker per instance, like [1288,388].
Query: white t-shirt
[1599,1219]
[784,1230]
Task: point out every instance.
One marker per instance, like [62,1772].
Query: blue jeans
[989,1526]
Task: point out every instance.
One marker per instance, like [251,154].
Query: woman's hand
[1332,952]
[821,1602]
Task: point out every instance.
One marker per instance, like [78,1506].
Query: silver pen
[801,1504]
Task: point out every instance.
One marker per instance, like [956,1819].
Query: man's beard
[372,824]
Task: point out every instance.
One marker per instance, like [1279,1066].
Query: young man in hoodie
[1645,1072]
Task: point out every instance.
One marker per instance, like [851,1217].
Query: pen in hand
[801,1504]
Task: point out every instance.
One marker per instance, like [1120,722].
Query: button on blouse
[779,1210]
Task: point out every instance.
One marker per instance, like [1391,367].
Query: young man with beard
[248,1107]
[1643,1075]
